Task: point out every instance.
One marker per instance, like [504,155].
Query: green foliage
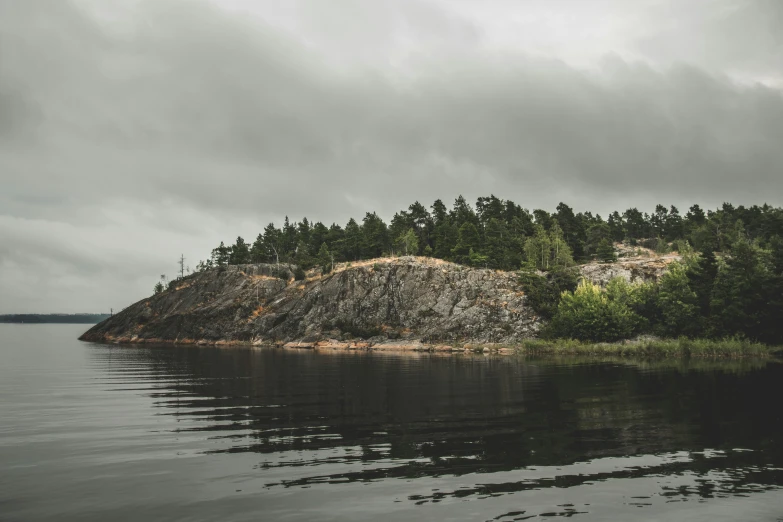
[678,303]
[543,292]
[661,247]
[220,255]
[605,252]
[408,242]
[375,236]
[467,240]
[299,274]
[739,303]
[239,253]
[302,256]
[476,259]
[589,314]
[548,250]
[674,348]
[280,273]
[598,235]
[325,259]
[158,287]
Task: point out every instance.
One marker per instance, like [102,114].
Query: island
[497,279]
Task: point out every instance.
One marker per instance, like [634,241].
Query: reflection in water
[93,433]
[467,427]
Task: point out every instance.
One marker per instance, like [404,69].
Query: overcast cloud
[135,130]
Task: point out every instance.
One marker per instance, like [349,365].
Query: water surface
[98,432]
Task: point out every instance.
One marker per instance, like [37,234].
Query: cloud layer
[135,132]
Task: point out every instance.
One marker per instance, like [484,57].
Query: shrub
[299,273]
[589,314]
[280,273]
[543,293]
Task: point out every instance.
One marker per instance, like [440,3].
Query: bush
[543,293]
[280,273]
[590,314]
[299,274]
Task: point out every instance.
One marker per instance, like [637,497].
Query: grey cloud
[197,112]
[740,35]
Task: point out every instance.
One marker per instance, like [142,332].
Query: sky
[136,131]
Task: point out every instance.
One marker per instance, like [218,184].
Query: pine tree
[220,256]
[353,241]
[240,253]
[605,252]
[468,239]
[325,259]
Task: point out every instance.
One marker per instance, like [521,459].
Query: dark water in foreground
[93,432]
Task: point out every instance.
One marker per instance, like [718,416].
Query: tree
[288,240]
[616,226]
[498,243]
[220,256]
[468,239]
[548,251]
[318,235]
[477,259]
[445,237]
[302,256]
[408,242]
[325,259]
[595,235]
[658,221]
[739,295]
[462,213]
[679,305]
[158,287]
[571,229]
[635,225]
[375,236]
[543,293]
[240,253]
[353,241]
[605,251]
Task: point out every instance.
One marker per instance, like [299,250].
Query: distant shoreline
[53,318]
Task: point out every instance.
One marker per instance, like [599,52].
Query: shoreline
[645,348]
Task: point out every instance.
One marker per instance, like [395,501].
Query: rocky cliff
[384,303]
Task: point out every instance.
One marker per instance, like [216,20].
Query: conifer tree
[605,252]
[467,240]
[325,259]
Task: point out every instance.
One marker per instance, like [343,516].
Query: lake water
[97,432]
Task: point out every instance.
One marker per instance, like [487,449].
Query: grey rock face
[633,271]
[407,299]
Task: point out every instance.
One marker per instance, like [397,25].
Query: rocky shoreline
[390,304]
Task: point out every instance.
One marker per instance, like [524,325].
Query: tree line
[499,234]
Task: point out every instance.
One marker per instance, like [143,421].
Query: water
[96,432]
